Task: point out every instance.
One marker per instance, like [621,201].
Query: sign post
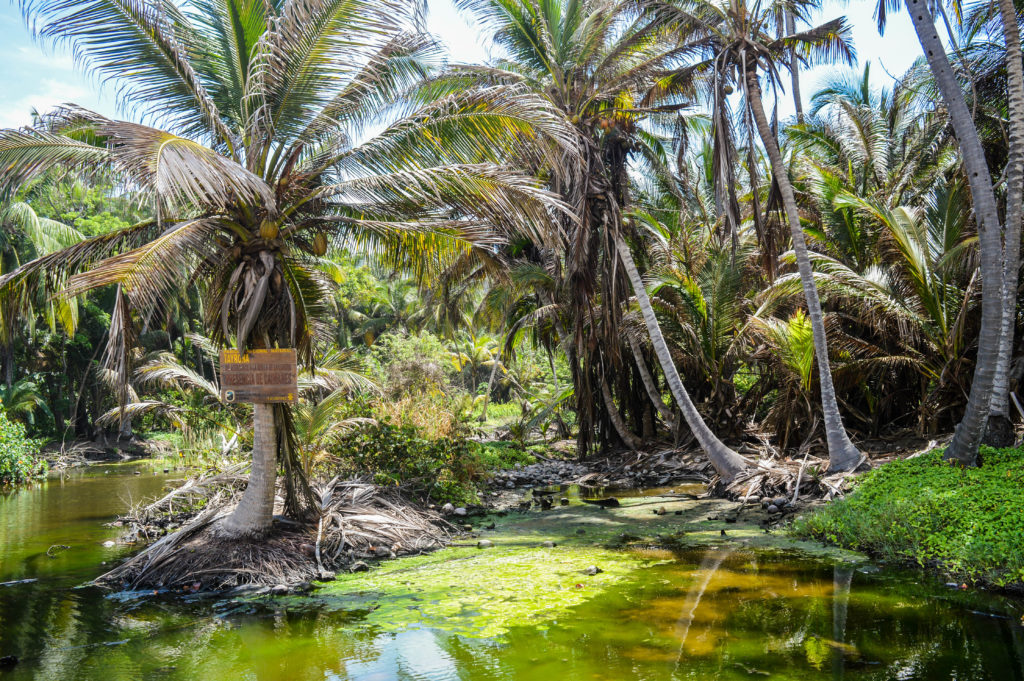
[260,376]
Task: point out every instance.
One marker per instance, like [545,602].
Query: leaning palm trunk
[727,463]
[999,432]
[618,423]
[964,446]
[650,386]
[255,511]
[794,69]
[842,455]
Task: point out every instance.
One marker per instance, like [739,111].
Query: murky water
[714,614]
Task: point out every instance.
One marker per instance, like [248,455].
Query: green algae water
[719,608]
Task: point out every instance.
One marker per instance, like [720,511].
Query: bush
[18,453]
[966,523]
[442,470]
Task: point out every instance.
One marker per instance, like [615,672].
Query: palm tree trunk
[650,386]
[727,463]
[255,511]
[490,387]
[625,434]
[794,69]
[999,431]
[964,446]
[842,455]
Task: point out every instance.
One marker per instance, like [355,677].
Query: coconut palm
[740,44]
[593,59]
[287,128]
[963,448]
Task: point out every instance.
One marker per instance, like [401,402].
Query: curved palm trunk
[842,455]
[964,446]
[650,386]
[999,432]
[794,69]
[727,463]
[255,511]
[625,434]
[490,388]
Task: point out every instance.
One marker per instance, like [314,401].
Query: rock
[564,501]
[467,527]
[773,508]
[460,511]
[303,588]
[581,531]
[780,501]
[484,544]
[279,589]
[610,502]
[448,508]
[593,570]
[167,470]
[109,544]
[138,472]
[548,544]
[358,566]
[248,590]
[510,485]
[326,576]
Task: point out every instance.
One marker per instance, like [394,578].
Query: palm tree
[270,154]
[740,43]
[964,446]
[726,462]
[592,59]
[999,429]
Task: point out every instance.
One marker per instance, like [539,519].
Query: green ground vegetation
[965,522]
[18,453]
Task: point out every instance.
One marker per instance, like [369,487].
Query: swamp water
[717,608]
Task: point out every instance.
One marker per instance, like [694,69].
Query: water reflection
[717,614]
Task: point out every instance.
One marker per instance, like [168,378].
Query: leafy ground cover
[965,522]
[19,454]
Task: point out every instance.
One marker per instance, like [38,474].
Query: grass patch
[967,523]
[502,455]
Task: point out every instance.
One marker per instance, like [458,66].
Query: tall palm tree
[999,431]
[963,448]
[592,59]
[288,127]
[740,44]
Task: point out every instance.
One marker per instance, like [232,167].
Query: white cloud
[49,94]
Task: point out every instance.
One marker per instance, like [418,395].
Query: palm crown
[287,127]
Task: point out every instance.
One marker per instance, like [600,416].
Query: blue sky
[41,77]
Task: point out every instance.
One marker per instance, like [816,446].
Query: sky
[41,77]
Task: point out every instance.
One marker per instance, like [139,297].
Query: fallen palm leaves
[358,521]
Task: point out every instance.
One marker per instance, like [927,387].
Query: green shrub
[442,470]
[18,453]
[965,522]
[504,455]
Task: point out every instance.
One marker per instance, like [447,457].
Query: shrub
[442,470]
[18,453]
[966,522]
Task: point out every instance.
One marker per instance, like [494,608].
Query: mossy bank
[966,523]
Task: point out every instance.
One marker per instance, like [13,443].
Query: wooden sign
[262,376]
